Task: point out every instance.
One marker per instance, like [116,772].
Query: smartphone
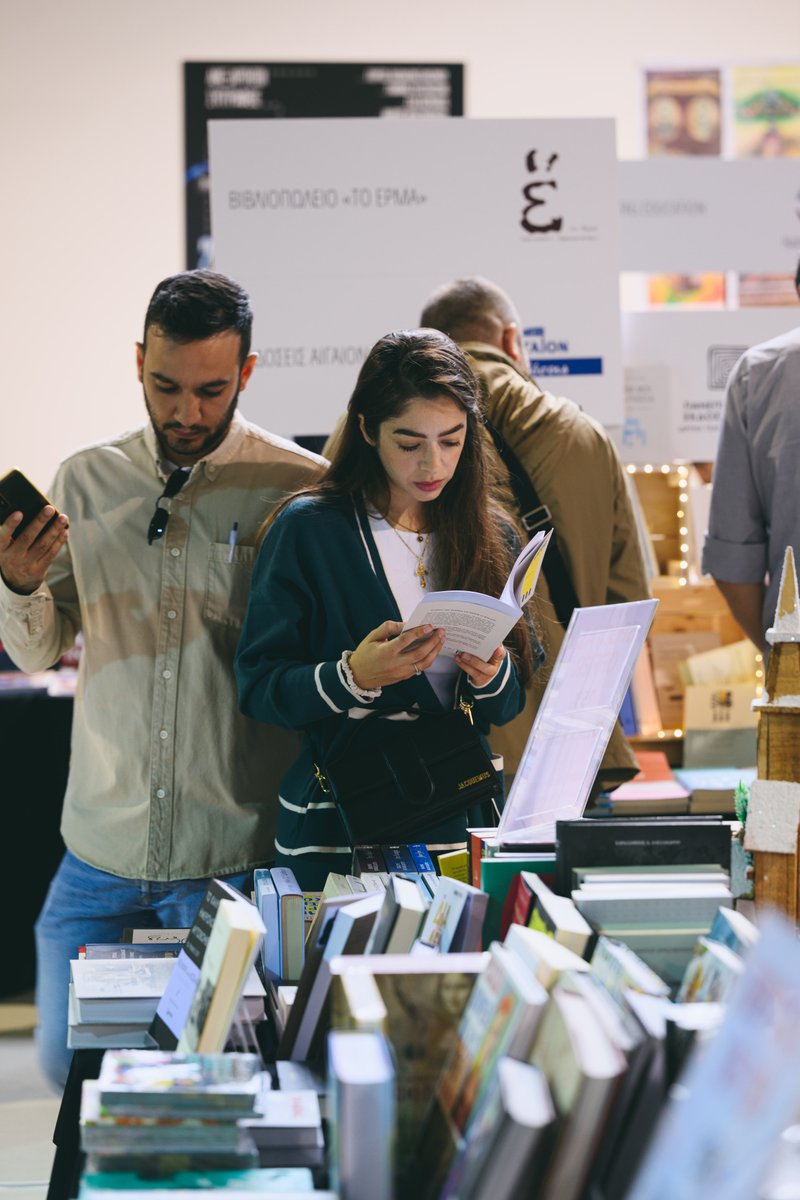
[17,494]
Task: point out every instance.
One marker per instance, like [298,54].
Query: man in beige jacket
[150,559]
[576,472]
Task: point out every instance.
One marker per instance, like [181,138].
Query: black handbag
[418,773]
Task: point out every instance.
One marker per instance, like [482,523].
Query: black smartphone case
[17,494]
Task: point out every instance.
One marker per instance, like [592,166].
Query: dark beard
[214,437]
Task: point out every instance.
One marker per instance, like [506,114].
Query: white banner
[341,229]
[709,214]
[676,369]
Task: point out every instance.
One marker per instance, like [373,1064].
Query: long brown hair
[473,543]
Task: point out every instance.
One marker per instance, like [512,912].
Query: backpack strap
[535,515]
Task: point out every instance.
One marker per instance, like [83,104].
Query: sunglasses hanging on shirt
[159,519]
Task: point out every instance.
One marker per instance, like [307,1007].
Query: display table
[34,745]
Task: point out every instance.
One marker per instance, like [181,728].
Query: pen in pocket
[233,538]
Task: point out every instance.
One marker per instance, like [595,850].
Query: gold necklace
[421,571]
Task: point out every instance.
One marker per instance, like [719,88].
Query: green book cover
[497,875]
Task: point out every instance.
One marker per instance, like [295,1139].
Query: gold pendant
[421,574]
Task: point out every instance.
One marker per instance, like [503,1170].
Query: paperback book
[159,1083]
[476,623]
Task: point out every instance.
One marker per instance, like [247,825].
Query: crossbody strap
[535,515]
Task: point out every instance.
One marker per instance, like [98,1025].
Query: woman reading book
[405,505]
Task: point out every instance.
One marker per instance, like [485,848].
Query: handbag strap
[535,515]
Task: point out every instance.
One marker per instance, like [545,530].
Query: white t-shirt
[400,553]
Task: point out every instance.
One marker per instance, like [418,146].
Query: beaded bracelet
[365,694]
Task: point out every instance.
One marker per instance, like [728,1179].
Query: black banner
[247,89]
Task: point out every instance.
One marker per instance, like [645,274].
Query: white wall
[92,147]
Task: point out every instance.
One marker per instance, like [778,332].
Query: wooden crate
[695,607]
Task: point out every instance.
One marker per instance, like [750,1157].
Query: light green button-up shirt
[167,779]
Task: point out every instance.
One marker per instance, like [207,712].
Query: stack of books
[163,1119]
[659,915]
[154,1112]
[112,1001]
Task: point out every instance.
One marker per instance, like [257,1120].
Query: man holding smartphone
[150,558]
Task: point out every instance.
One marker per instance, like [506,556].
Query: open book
[478,624]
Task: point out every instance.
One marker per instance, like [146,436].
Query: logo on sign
[537,342]
[550,356]
[537,214]
[721,360]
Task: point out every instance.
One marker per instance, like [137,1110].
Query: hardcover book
[543,956]
[508,1140]
[734,930]
[618,841]
[455,917]
[362,1098]
[307,984]
[711,975]
[129,950]
[284,1118]
[422,1000]
[558,917]
[367,859]
[173,1008]
[399,858]
[160,1083]
[232,947]
[119,990]
[266,899]
[103,1132]
[619,968]
[291,909]
[497,873]
[584,1069]
[501,1017]
[422,859]
[401,914]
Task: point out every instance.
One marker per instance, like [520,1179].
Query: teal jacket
[319,588]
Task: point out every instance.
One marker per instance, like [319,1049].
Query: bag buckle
[321,780]
[537,518]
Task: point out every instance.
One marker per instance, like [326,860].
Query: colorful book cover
[422,859]
[399,858]
[454,863]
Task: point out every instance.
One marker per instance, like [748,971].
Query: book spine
[367,859]
[398,858]
[421,857]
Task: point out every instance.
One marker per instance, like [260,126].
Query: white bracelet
[350,683]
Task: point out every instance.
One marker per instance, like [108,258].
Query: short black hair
[195,305]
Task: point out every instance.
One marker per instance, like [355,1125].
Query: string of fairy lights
[683,563]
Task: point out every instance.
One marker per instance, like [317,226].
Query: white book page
[472,622]
[476,623]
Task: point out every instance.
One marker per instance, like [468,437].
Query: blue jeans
[87,905]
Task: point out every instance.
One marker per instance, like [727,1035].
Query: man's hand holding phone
[31,535]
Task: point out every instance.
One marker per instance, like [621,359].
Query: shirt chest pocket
[228,583]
